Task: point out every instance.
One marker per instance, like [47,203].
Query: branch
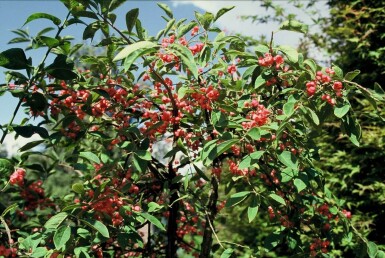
[211,210]
[7,230]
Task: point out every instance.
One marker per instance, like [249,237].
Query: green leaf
[378,92]
[114,4]
[299,184]
[61,237]
[292,243]
[372,249]
[288,159]
[351,75]
[82,252]
[139,164]
[71,207]
[39,252]
[380,254]
[338,72]
[187,58]
[90,30]
[287,174]
[227,253]
[293,25]
[166,9]
[83,233]
[237,198]
[6,168]
[333,210]
[256,155]
[313,115]
[128,50]
[226,145]
[201,173]
[143,154]
[182,30]
[245,163]
[14,58]
[259,81]
[37,101]
[352,128]
[30,145]
[19,76]
[128,61]
[290,52]
[254,133]
[89,156]
[209,152]
[222,11]
[36,16]
[341,111]
[252,210]
[48,41]
[250,71]
[182,91]
[249,160]
[62,68]
[139,29]
[261,49]
[131,17]
[18,40]
[86,14]
[288,108]
[272,240]
[78,188]
[277,198]
[55,221]
[312,65]
[153,206]
[169,25]
[182,147]
[204,19]
[153,220]
[97,226]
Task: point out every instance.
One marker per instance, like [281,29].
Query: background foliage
[353,35]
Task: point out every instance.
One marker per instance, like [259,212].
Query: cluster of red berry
[258,115]
[323,82]
[17,177]
[268,60]
[319,245]
[7,252]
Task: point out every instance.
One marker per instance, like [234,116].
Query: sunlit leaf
[237,198]
[128,50]
[36,16]
[277,198]
[89,156]
[55,221]
[252,210]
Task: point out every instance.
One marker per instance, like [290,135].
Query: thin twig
[231,243]
[271,43]
[212,229]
